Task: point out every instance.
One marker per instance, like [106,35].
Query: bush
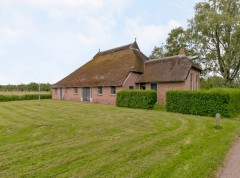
[24,97]
[205,103]
[144,99]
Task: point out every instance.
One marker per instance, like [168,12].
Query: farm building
[126,67]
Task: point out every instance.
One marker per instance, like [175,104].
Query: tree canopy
[26,87]
[212,38]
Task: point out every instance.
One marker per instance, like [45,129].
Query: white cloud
[60,35]
[172,24]
[149,35]
[9,32]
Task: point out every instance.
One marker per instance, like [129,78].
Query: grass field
[70,139]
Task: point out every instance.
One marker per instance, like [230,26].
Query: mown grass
[160,107]
[70,139]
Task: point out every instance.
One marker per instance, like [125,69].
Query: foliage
[26,87]
[177,39]
[205,103]
[144,99]
[217,82]
[158,52]
[216,34]
[4,98]
[234,96]
[212,38]
[212,82]
[69,139]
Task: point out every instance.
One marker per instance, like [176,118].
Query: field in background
[22,92]
[71,139]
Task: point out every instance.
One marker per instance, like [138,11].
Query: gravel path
[231,168]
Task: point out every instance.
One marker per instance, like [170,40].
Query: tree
[178,38]
[175,41]
[212,82]
[212,38]
[215,31]
[158,52]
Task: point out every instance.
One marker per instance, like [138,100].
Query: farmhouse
[126,67]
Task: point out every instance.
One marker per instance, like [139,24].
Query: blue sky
[45,40]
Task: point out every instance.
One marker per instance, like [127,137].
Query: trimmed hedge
[143,99]
[4,98]
[205,102]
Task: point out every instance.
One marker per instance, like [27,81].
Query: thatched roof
[169,69]
[107,68]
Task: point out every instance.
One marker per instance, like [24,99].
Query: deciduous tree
[215,31]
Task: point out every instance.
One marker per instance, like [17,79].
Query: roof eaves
[196,67]
[173,81]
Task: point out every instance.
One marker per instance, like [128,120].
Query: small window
[113,90]
[131,87]
[142,86]
[191,81]
[75,90]
[197,84]
[153,86]
[55,90]
[99,90]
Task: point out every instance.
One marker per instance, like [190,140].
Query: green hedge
[24,97]
[205,102]
[144,99]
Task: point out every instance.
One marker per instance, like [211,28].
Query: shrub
[205,103]
[24,97]
[144,99]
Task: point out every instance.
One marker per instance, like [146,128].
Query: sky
[45,40]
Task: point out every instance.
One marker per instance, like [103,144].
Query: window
[142,86]
[55,90]
[131,87]
[191,81]
[75,90]
[197,84]
[113,90]
[99,90]
[153,86]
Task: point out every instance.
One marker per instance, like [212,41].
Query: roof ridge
[166,58]
[114,49]
[128,46]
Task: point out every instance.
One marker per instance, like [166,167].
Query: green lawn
[71,139]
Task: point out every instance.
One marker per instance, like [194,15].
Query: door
[60,93]
[86,94]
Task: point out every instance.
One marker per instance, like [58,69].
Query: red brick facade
[75,94]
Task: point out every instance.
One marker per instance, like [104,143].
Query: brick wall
[195,79]
[162,88]
[107,98]
[56,93]
[73,94]
[130,80]
[67,94]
